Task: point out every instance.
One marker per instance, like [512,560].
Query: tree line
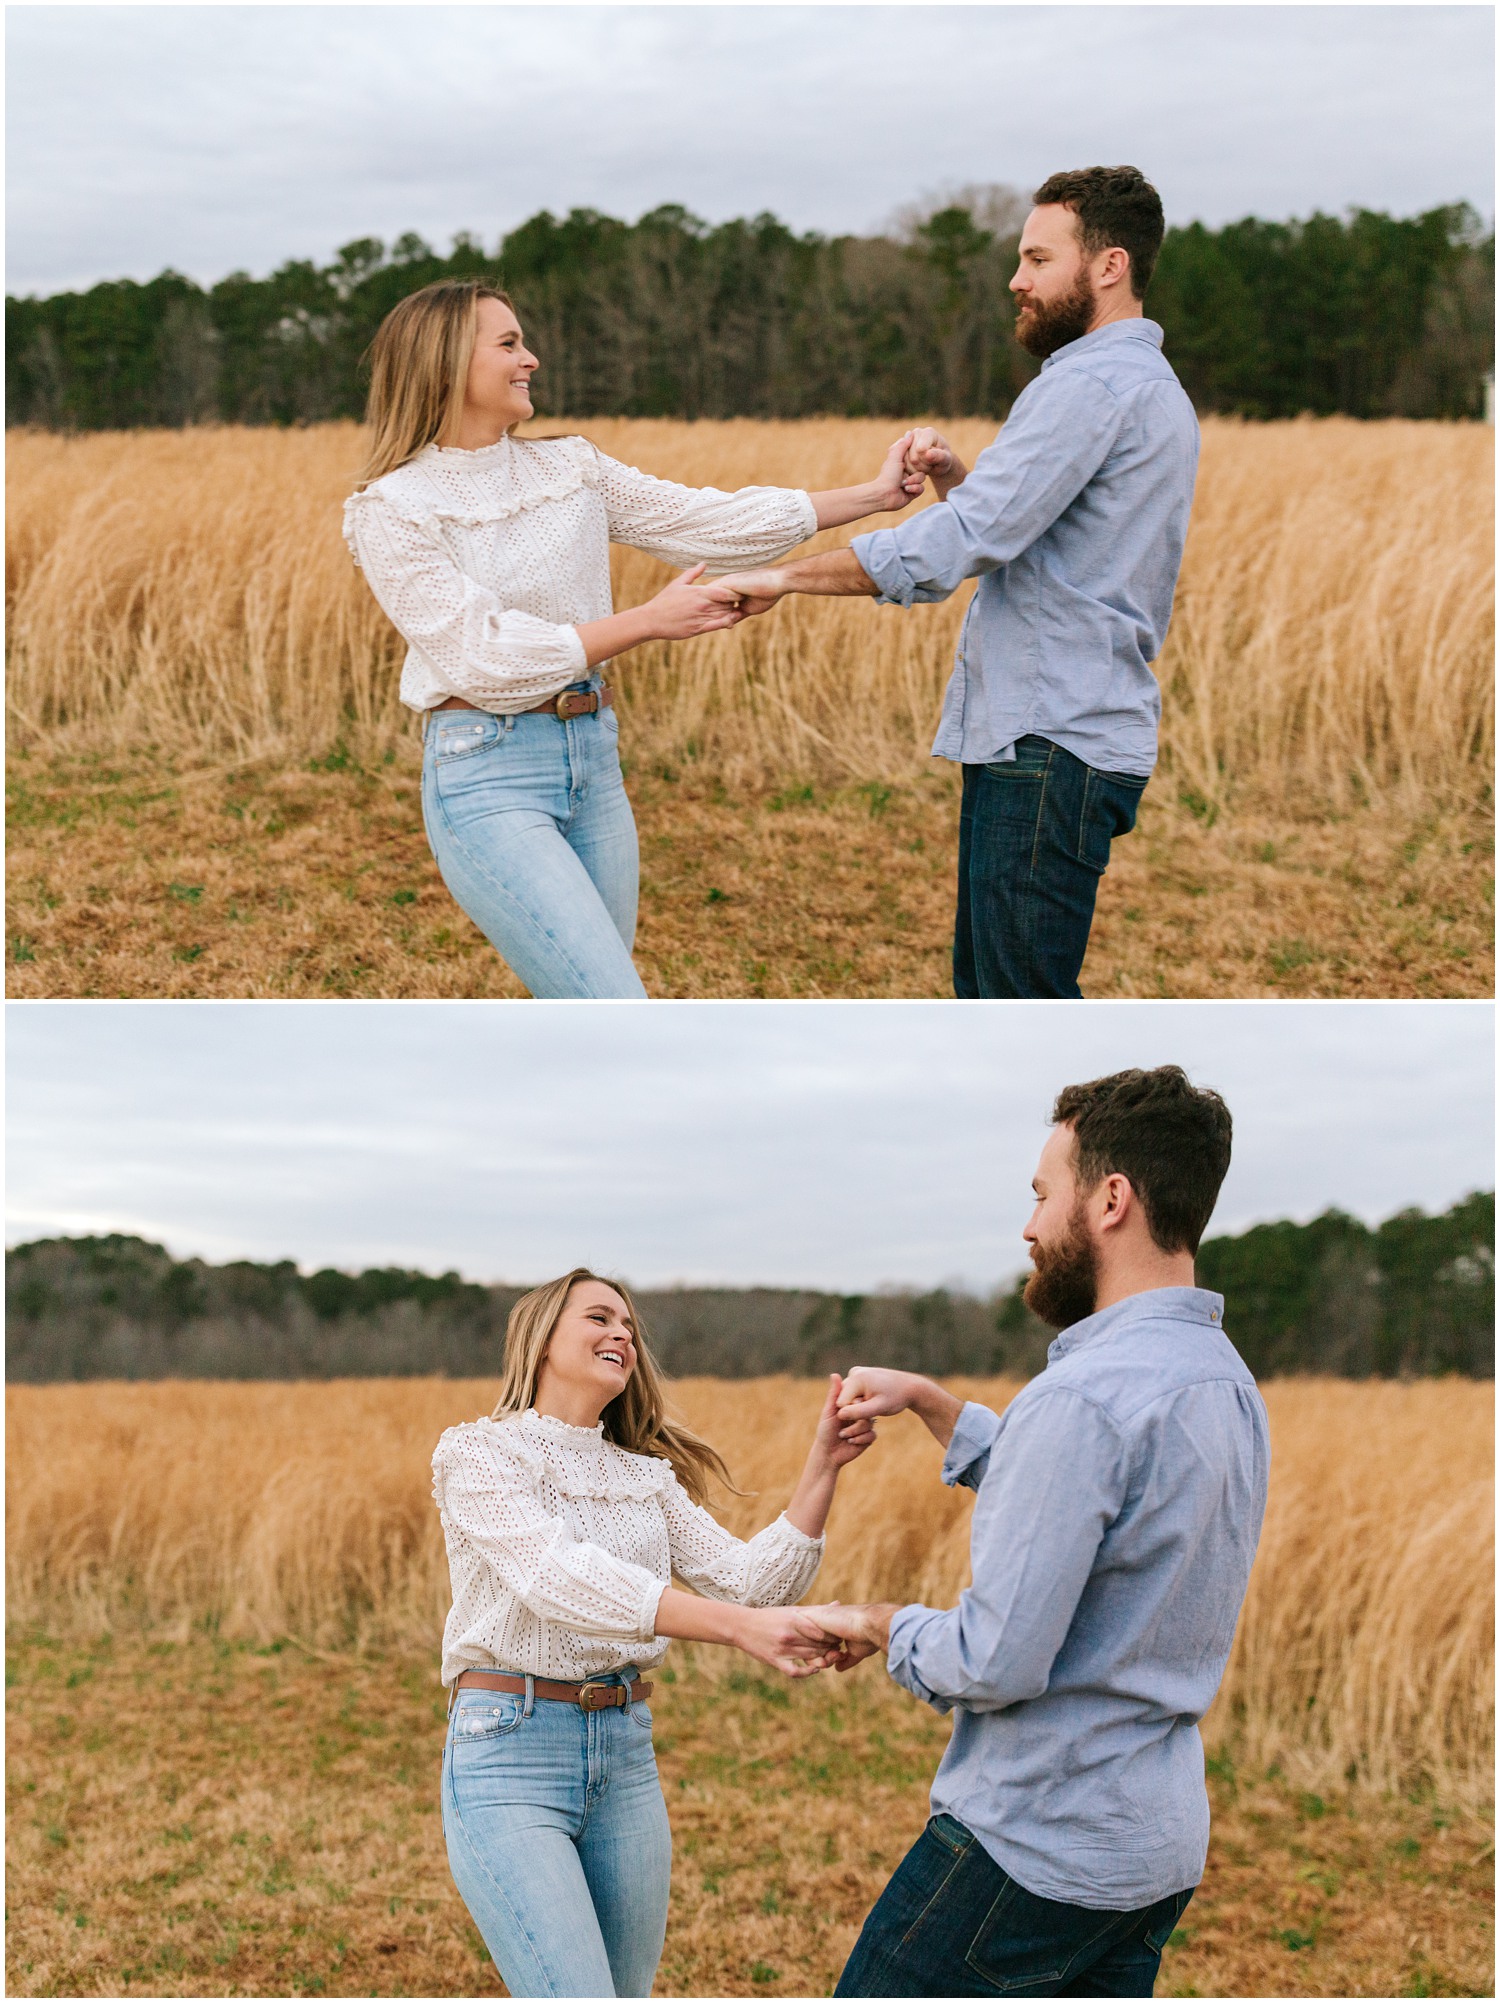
[1369,314]
[1413,1297]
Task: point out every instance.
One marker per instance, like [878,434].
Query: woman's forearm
[851,504]
[683,1616]
[605,639]
[812,1498]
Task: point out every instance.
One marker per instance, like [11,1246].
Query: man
[1120,1499]
[1074,522]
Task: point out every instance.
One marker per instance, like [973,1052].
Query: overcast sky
[840,1145]
[221,138]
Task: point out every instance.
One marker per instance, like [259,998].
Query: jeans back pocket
[1107,811]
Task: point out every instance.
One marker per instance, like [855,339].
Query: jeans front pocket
[461,733]
[1107,811]
[487,1714]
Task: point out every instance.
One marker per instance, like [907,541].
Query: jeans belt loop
[530,1694]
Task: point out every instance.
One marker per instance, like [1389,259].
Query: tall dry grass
[1365,1651]
[1333,634]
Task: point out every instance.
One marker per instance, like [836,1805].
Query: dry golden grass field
[224,1724]
[213,785]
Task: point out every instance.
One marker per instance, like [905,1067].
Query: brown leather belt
[569,702]
[587,1696]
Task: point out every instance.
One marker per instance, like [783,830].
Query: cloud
[211,138]
[829,1144]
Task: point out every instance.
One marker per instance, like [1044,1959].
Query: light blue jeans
[533,834]
[558,1841]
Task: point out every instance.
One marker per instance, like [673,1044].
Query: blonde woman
[566,1514]
[490,554]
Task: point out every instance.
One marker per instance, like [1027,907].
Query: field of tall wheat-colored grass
[1365,1652]
[1332,637]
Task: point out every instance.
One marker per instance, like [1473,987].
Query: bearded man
[1119,1503]
[1073,521]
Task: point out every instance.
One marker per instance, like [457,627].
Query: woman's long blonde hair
[419,367]
[636,1420]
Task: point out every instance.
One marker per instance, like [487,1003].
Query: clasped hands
[915,457]
[835,1636]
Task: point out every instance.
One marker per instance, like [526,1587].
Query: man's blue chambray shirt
[1120,1498]
[1073,521]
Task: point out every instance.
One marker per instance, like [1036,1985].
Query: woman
[566,1514]
[490,554]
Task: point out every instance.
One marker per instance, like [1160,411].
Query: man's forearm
[836,573]
[936,1408]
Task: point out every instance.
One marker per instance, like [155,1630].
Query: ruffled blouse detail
[487,562]
[560,1544]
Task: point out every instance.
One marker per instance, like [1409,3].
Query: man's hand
[755,590]
[863,1631]
[785,1638]
[841,1438]
[879,1394]
[684,608]
[930,456]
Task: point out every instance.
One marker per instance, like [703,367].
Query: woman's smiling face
[591,1352]
[497,390]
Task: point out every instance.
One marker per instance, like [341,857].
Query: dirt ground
[208,1819]
[133,879]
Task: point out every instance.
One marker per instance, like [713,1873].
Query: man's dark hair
[1169,1138]
[1114,206]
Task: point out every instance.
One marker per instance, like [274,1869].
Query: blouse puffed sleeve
[686,525]
[488,1490]
[459,627]
[773,1569]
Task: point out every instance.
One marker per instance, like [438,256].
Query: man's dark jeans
[1033,842]
[951,1923]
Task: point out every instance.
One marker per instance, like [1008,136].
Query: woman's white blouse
[488,562]
[560,1544]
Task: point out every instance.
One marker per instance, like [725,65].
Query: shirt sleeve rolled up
[1056,1480]
[1056,438]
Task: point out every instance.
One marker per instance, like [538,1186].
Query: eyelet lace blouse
[560,1544]
[487,562]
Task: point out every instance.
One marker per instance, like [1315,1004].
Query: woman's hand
[861,1631]
[841,1437]
[901,477]
[869,1394]
[684,608]
[786,1639]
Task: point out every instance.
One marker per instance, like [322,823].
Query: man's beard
[1046,328]
[1065,1285]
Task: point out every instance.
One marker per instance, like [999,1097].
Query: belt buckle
[599,1697]
[575,704]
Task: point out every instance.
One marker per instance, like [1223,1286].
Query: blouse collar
[561,1428]
[480,455]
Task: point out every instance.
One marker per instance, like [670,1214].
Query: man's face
[1055,300]
[1065,1284]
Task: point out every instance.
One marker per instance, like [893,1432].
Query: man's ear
[1119,1202]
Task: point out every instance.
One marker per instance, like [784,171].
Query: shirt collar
[1192,1304]
[1117,330]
